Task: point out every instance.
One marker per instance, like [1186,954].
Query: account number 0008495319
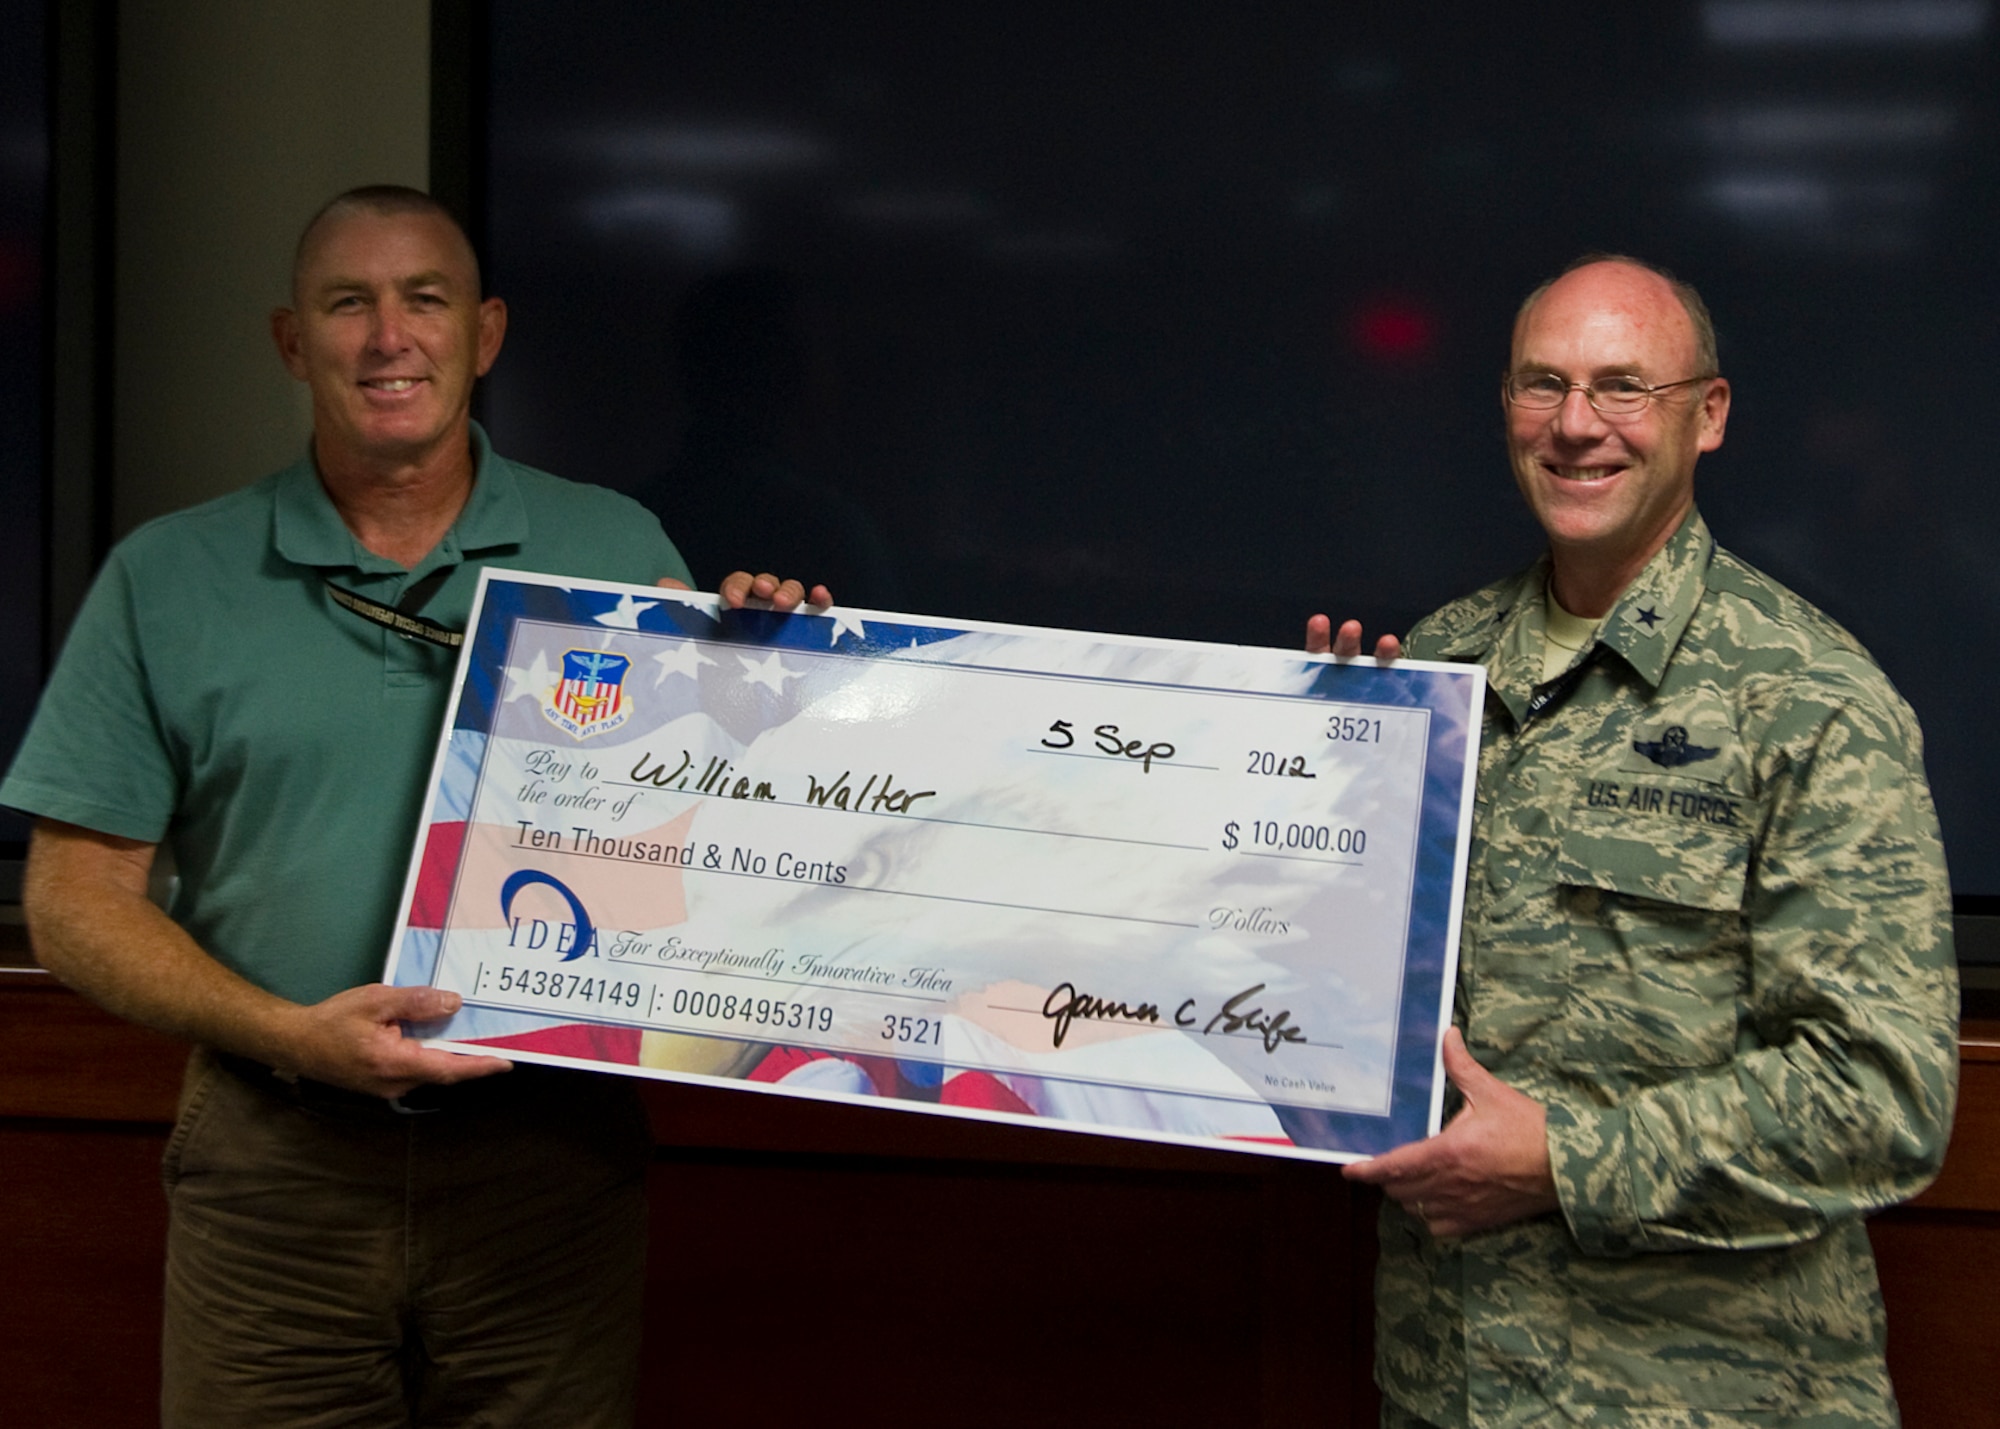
[757,1011]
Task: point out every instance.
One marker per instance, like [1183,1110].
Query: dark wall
[1176,320]
[24,165]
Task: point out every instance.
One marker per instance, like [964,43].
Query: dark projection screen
[1184,321]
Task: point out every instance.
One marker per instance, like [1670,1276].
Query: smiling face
[1610,492]
[388,330]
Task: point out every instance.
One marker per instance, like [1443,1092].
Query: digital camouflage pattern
[1707,924]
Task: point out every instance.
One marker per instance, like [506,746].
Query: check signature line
[1190,1030]
[897,892]
[914,818]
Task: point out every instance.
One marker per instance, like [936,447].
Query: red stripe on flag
[617,1045]
[442,847]
[984,1091]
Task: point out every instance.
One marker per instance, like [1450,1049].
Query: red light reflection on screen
[1393,329]
[20,275]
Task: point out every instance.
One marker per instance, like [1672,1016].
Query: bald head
[1701,328]
[378,201]
[1610,488]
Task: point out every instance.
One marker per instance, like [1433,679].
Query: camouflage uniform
[1707,925]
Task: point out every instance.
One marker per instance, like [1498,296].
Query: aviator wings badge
[1671,750]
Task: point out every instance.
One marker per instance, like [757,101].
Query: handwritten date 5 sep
[1062,734]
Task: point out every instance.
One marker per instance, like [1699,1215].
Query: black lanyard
[402,617]
[1559,689]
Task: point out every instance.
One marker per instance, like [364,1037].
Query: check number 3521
[914,1031]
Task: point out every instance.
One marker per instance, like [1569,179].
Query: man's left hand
[1488,1167]
[1323,637]
[739,588]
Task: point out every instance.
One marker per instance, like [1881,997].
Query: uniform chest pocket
[1658,955]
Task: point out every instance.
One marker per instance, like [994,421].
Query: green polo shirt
[212,697]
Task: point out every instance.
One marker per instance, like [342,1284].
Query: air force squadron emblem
[591,697]
[1671,750]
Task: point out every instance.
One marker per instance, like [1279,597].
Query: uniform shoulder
[1768,625]
[1456,626]
[1784,646]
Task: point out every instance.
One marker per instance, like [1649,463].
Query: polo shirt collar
[308,531]
[494,514]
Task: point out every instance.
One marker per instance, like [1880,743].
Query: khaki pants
[331,1261]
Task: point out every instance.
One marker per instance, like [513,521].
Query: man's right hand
[93,927]
[355,1040]
[1323,639]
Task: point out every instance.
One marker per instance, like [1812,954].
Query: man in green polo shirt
[363,1231]
[1706,996]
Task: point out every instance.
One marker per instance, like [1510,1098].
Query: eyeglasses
[1617,396]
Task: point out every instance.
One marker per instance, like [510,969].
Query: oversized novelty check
[1143,887]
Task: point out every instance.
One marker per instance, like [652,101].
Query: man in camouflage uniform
[1707,998]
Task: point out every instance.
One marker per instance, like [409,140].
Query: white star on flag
[625,616]
[850,624]
[684,659]
[536,681]
[769,672]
